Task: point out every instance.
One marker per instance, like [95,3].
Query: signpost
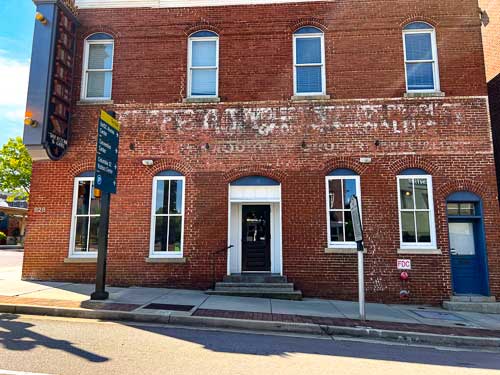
[106,170]
[358,237]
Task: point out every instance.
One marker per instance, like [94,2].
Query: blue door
[467,248]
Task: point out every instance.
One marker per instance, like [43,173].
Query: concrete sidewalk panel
[18,287]
[306,308]
[136,295]
[257,305]
[374,311]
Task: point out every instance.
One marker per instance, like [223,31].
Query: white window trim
[344,244]
[72,252]
[432,31]
[432,223]
[166,254]
[85,70]
[295,65]
[191,68]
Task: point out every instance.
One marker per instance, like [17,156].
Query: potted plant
[3,238]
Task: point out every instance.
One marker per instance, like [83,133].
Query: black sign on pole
[106,171]
[356,222]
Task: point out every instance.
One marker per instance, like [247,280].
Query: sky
[16,35]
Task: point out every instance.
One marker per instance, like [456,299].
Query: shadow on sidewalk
[285,346]
[16,335]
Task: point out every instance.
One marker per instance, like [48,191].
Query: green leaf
[15,169]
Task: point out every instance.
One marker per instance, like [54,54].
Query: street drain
[163,306]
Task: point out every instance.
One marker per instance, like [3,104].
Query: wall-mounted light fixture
[41,18]
[28,120]
[147,162]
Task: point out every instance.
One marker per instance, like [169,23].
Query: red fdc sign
[404,264]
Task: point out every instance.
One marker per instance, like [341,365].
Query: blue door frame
[470,272]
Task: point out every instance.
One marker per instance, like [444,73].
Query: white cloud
[14,76]
[16,115]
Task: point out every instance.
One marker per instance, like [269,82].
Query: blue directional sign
[106,165]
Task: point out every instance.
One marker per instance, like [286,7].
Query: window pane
[161,223]
[308,50]
[176,197]
[349,191]
[423,227]
[421,193]
[95,204]
[203,82]
[418,46]
[83,198]
[336,226]
[204,53]
[335,194]
[453,209]
[99,85]
[162,190]
[467,209]
[408,226]
[349,229]
[420,76]
[309,79]
[94,233]
[174,236]
[82,227]
[406,193]
[100,56]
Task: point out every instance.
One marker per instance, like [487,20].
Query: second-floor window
[98,67]
[309,61]
[203,64]
[422,72]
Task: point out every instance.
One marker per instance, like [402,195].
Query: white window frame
[432,31]
[296,36]
[432,223]
[72,252]
[85,75]
[191,68]
[166,254]
[341,244]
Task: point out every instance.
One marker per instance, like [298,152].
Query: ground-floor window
[167,217]
[341,185]
[85,218]
[416,210]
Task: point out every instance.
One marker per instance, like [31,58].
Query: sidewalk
[422,324]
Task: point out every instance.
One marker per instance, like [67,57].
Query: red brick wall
[491,42]
[449,137]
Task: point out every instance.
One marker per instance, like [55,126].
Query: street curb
[259,325]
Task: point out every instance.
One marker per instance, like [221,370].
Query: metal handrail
[213,262]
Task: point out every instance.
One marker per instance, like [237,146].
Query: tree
[15,169]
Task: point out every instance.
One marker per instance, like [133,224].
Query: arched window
[309,61]
[341,185]
[85,217]
[420,52]
[203,64]
[416,210]
[167,215]
[98,58]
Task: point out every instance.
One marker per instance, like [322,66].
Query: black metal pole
[102,249]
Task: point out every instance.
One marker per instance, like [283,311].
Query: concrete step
[472,298]
[253,289]
[259,293]
[277,286]
[480,307]
[255,278]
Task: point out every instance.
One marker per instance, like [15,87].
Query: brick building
[252,123]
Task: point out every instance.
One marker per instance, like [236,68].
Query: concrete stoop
[256,285]
[479,304]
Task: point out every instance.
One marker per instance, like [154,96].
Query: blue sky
[16,34]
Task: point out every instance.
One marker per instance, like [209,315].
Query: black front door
[256,241]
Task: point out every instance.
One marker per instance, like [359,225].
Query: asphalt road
[71,346]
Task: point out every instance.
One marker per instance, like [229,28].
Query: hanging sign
[106,166]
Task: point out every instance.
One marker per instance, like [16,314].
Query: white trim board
[90,4]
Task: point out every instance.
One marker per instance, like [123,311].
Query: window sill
[201,100]
[437,94]
[339,250]
[420,251]
[80,260]
[95,102]
[166,260]
[306,98]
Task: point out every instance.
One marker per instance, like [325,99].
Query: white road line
[7,372]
